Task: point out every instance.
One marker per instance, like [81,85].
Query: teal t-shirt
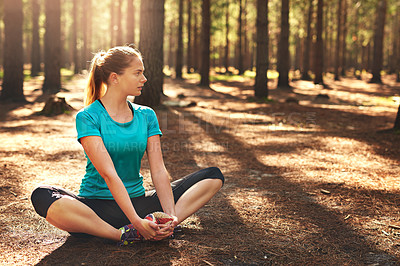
[125,142]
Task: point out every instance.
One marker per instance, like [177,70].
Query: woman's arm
[159,175]
[98,155]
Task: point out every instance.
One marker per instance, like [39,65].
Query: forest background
[295,101]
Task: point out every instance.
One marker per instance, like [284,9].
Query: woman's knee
[215,173]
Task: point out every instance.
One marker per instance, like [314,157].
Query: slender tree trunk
[306,57]
[74,43]
[89,30]
[356,45]
[13,79]
[283,47]
[398,46]
[171,45]
[338,35]
[378,42]
[179,51]
[196,44]
[84,49]
[240,40]
[52,44]
[245,53]
[151,46]
[130,23]
[35,56]
[344,43]
[261,81]
[189,37]
[112,24]
[205,45]
[227,37]
[319,52]
[119,24]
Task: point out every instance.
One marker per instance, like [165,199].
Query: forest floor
[307,183]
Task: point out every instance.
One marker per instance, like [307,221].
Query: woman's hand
[147,229]
[166,230]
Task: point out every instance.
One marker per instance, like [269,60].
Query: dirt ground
[307,183]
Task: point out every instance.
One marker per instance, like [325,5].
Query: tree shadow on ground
[334,237]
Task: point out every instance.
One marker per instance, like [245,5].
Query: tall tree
[306,57]
[112,23]
[319,51]
[261,81]
[378,42]
[151,46]
[35,52]
[84,17]
[130,23]
[283,47]
[189,37]
[344,43]
[226,62]
[397,121]
[205,44]
[52,45]
[179,51]
[338,36]
[13,80]
[240,40]
[119,24]
[74,44]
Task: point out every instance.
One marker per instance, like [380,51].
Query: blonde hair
[115,60]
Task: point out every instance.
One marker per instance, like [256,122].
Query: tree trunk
[338,35]
[151,45]
[35,55]
[74,43]
[84,27]
[227,38]
[283,47]
[130,23]
[52,44]
[261,81]
[13,79]
[112,24]
[240,41]
[189,36]
[171,58]
[205,45]
[306,57]
[196,43]
[179,51]
[378,42]
[344,43]
[319,51]
[119,24]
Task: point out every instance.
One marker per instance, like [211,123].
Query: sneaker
[129,235]
[159,218]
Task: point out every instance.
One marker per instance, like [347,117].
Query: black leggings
[109,211]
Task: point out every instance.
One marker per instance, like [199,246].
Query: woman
[115,133]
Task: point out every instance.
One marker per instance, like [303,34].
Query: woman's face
[133,79]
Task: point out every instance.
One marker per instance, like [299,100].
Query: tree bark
[179,51]
[35,55]
[306,57]
[130,23]
[319,51]
[378,42]
[283,47]
[227,37]
[52,45]
[240,40]
[13,79]
[189,36]
[74,43]
[151,45]
[397,121]
[338,36]
[344,43]
[261,81]
[119,24]
[205,45]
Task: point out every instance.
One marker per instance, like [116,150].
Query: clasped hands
[155,232]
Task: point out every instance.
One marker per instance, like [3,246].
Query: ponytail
[115,60]
[95,87]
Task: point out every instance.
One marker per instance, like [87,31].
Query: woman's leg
[196,197]
[64,210]
[73,216]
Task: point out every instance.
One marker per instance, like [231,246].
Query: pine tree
[261,81]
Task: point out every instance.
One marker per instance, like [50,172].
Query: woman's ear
[113,78]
